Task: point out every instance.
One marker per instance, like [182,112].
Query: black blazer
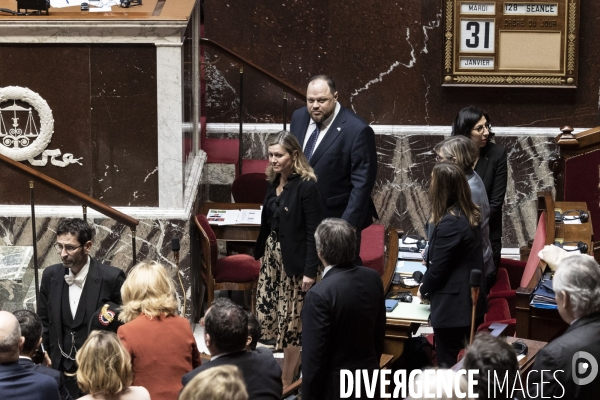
[581,336]
[343,327]
[27,363]
[299,215]
[20,383]
[345,163]
[492,168]
[103,283]
[454,250]
[261,373]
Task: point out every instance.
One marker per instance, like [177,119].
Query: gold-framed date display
[511,43]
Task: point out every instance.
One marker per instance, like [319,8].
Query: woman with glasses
[464,153]
[455,249]
[491,166]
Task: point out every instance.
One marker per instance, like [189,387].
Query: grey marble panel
[405,164]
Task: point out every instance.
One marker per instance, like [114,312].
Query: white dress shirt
[326,270]
[75,290]
[324,127]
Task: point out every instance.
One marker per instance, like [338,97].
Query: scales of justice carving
[20,137]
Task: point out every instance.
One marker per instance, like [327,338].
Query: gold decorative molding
[571,37]
[449,35]
[519,80]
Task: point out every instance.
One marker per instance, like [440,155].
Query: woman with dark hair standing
[491,166]
[455,249]
[286,243]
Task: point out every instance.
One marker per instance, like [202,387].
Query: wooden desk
[398,329]
[238,233]
[533,347]
[542,324]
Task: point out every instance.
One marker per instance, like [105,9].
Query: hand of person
[419,293]
[47,362]
[307,283]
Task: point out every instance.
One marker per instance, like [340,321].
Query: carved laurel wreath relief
[20,136]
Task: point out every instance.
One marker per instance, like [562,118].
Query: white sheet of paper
[66,3]
[101,9]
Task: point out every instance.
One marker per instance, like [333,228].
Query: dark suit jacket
[454,250]
[343,327]
[299,212]
[103,283]
[493,170]
[345,163]
[57,375]
[19,383]
[581,336]
[261,373]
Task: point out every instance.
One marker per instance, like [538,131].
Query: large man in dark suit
[343,318]
[341,148]
[225,334]
[568,366]
[17,382]
[71,293]
[31,331]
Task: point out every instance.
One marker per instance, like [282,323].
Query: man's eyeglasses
[479,129]
[69,249]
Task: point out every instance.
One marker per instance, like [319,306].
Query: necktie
[72,280]
[312,141]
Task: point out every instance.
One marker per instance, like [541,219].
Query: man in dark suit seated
[343,319]
[568,366]
[17,382]
[225,334]
[71,293]
[31,331]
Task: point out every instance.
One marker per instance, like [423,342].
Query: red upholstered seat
[221,151]
[236,272]
[497,310]
[372,247]
[513,273]
[254,166]
[236,268]
[249,188]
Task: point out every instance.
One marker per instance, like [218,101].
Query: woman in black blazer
[454,251]
[286,243]
[492,167]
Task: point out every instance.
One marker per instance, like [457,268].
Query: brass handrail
[272,78]
[70,192]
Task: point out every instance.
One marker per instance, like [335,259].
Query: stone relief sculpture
[29,141]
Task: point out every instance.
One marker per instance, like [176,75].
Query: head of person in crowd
[449,191]
[10,338]
[492,356]
[104,365]
[459,150]
[473,123]
[576,283]
[31,331]
[148,290]
[336,241]
[321,97]
[225,327]
[286,157]
[254,329]
[223,382]
[73,243]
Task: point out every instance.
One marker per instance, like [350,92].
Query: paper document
[408,268]
[411,312]
[233,217]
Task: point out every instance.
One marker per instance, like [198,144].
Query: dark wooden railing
[83,199]
[286,86]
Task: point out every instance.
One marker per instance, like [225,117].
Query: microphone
[417,276]
[475,282]
[175,246]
